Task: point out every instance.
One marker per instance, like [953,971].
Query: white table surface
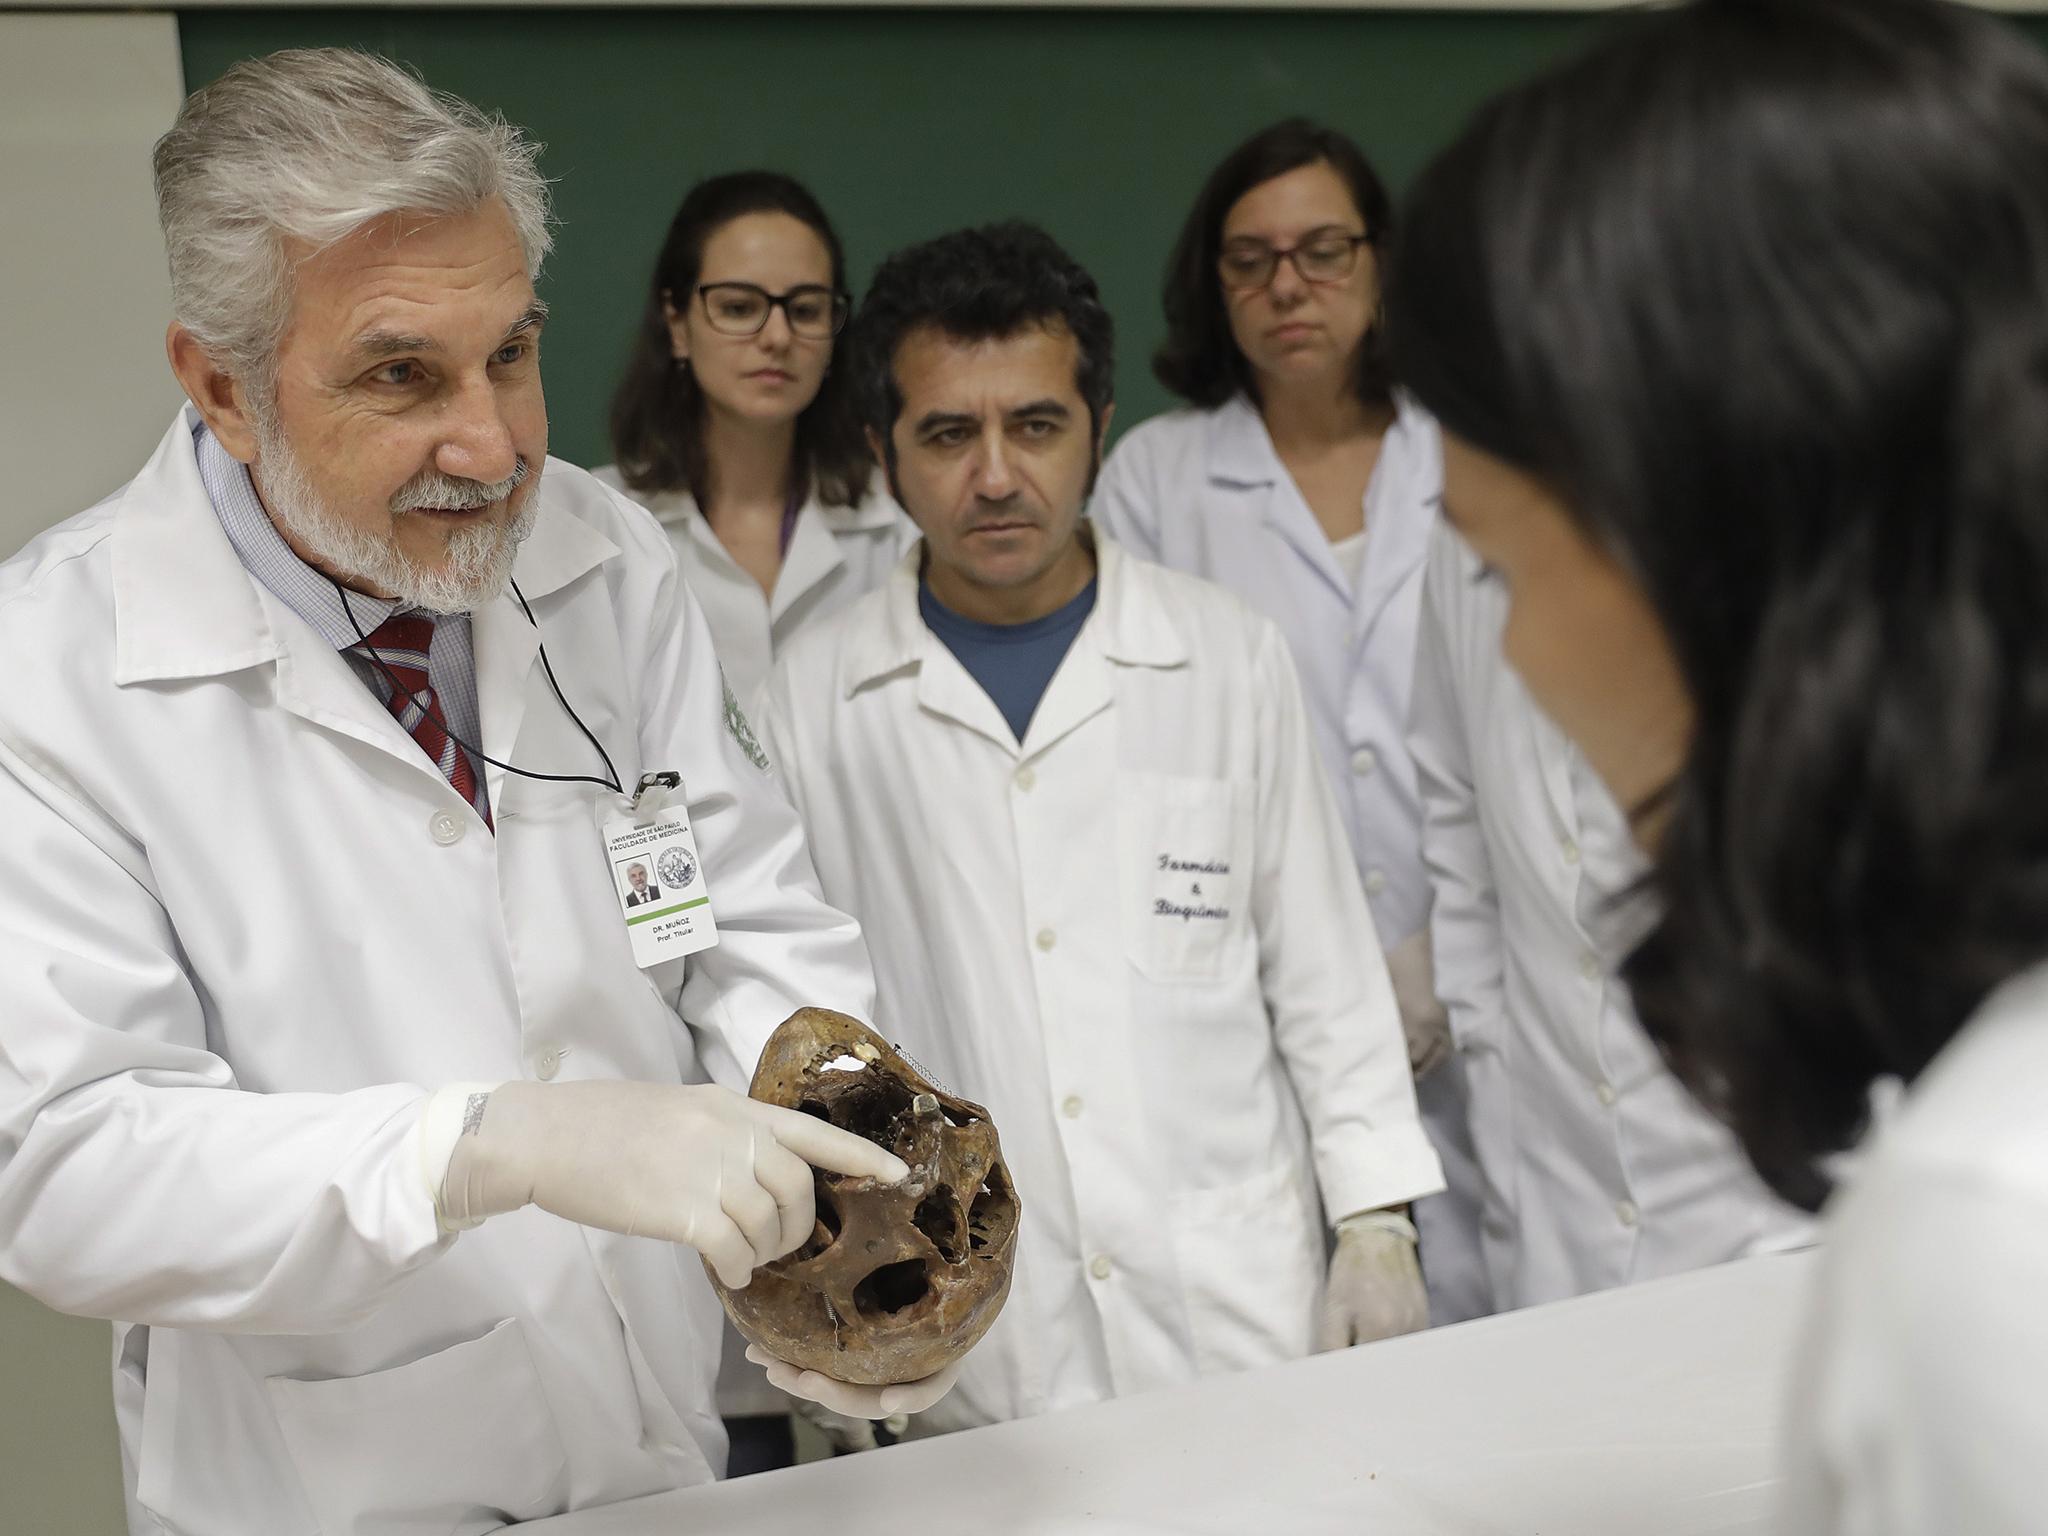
[1650,1411]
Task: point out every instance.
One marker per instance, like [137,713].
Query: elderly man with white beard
[331,1070]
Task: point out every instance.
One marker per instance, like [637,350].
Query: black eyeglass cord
[612,783]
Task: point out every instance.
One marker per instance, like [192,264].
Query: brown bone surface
[894,1284]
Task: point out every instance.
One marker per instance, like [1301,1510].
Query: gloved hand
[1375,1286]
[856,1401]
[1423,1019]
[698,1165]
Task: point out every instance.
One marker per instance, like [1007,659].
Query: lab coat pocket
[1251,1260]
[457,1442]
[1184,855]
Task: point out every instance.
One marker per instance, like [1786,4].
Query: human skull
[894,1283]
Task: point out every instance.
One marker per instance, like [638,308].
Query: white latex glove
[856,1401]
[1375,1285]
[1423,1019]
[698,1165]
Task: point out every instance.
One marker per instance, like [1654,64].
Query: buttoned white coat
[1205,491]
[247,927]
[1598,1168]
[1137,937]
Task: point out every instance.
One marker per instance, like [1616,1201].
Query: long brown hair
[1199,360]
[657,418]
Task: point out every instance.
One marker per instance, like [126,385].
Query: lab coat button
[1071,1106]
[1604,1092]
[1626,1213]
[1375,881]
[547,1065]
[1099,1266]
[444,828]
[1025,779]
[1363,761]
[1589,966]
[1570,850]
[1047,938]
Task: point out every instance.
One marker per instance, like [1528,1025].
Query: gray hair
[309,145]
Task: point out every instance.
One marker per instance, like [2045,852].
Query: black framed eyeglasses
[741,309]
[1326,256]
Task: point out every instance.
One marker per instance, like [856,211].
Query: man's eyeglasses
[741,309]
[1326,256]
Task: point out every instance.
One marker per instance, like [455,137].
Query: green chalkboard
[1098,124]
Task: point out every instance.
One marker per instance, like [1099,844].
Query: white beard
[480,557]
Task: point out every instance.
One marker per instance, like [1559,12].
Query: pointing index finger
[824,1145]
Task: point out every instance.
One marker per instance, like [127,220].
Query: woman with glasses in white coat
[1296,480]
[731,427]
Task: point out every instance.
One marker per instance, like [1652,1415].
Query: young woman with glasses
[732,428]
[1294,480]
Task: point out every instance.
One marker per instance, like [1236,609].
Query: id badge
[658,878]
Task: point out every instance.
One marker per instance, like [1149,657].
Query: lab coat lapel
[317,684]
[812,557]
[944,687]
[1289,516]
[1129,627]
[506,648]
[1241,453]
[561,548]
[948,690]
[1400,509]
[1081,689]
[184,607]
[1553,761]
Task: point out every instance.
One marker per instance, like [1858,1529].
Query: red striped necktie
[401,643]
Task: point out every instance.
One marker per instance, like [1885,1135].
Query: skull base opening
[893,1284]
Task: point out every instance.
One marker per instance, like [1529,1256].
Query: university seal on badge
[677,868]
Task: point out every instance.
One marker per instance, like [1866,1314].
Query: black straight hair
[1760,288]
[1200,360]
[657,415]
[980,284]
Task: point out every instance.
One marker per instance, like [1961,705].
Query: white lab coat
[247,927]
[1917,1397]
[1206,492]
[1173,1091]
[835,554]
[1598,1167]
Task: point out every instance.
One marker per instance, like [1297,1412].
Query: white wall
[84,388]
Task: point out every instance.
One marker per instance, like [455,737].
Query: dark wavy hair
[1200,360]
[979,285]
[657,418]
[1761,288]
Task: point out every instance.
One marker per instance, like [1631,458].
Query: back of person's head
[1200,360]
[657,412]
[286,155]
[1760,289]
[980,285]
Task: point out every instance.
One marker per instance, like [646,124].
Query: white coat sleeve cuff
[1365,1170]
[440,1128]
